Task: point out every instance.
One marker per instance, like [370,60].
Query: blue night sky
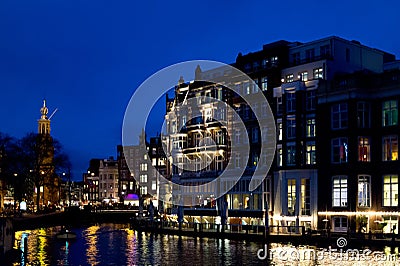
[87,57]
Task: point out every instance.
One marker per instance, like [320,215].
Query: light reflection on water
[116,244]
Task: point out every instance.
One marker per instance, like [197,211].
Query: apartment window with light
[279,129]
[143,190]
[390,190]
[291,196]
[246,88]
[310,153]
[364,191]
[290,101]
[339,150]
[279,158]
[339,116]
[304,76]
[153,185]
[265,63]
[291,153]
[311,100]
[364,149]
[310,127]
[255,86]
[390,148]
[305,196]
[220,138]
[291,127]
[143,178]
[264,83]
[389,113]
[318,73]
[363,115]
[339,191]
[289,78]
[274,60]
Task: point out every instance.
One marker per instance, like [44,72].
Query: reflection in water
[91,241]
[116,244]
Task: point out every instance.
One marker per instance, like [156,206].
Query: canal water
[116,244]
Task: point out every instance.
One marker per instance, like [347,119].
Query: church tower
[44,121]
[49,182]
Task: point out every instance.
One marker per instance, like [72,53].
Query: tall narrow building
[47,183]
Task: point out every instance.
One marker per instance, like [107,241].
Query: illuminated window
[279,129]
[339,150]
[143,167]
[318,73]
[339,191]
[390,190]
[363,149]
[310,129]
[339,116]
[363,115]
[153,185]
[310,153]
[305,197]
[274,60]
[390,148]
[279,157]
[208,114]
[289,78]
[220,138]
[265,63]
[364,191]
[291,196]
[143,178]
[303,76]
[389,113]
[255,86]
[264,83]
[246,88]
[219,162]
[143,190]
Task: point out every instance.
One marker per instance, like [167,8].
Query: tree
[43,158]
[32,162]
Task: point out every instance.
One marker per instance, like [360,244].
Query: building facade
[359,120]
[108,180]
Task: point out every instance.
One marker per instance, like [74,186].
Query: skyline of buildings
[324,95]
